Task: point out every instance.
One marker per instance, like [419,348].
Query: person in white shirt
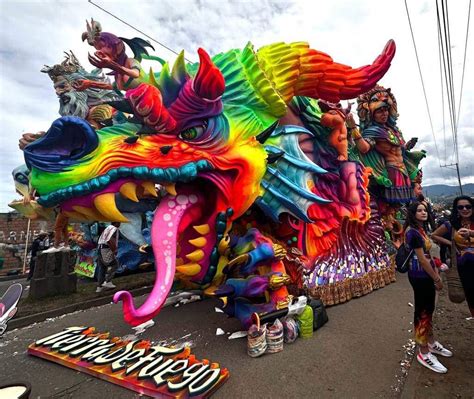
[106,259]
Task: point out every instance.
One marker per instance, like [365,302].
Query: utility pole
[457,171]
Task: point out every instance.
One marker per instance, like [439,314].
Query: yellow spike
[189,269]
[196,255]
[105,204]
[198,242]
[129,190]
[151,78]
[203,229]
[150,188]
[171,189]
[179,261]
[89,213]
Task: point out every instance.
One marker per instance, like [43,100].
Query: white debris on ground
[410,304]
[405,364]
[218,310]
[238,334]
[220,331]
[141,328]
[182,342]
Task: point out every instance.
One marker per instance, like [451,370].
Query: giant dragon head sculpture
[211,121]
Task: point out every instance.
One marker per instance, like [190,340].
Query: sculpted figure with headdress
[381,147]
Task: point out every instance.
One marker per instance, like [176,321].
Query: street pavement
[357,354]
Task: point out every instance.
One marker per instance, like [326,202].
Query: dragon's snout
[69,139]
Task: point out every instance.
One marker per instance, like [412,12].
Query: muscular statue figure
[382,147]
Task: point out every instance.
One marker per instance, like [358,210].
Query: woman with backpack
[460,229]
[425,281]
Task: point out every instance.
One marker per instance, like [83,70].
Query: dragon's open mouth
[189,221]
[184,236]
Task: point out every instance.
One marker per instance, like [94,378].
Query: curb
[38,317]
[13,277]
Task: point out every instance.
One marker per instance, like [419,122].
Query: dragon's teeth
[149,187]
[105,204]
[129,190]
[196,255]
[203,229]
[171,189]
[198,242]
[189,269]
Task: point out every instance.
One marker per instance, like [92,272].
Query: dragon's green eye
[192,133]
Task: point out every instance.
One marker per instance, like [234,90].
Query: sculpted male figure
[382,147]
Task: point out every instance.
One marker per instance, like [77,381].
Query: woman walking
[461,230]
[425,281]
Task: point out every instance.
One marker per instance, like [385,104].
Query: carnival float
[259,184]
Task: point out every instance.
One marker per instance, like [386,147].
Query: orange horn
[297,70]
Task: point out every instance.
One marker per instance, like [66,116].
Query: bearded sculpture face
[71,102]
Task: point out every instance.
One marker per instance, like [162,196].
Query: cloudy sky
[34,33]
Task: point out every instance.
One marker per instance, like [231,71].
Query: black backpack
[403,257]
[320,316]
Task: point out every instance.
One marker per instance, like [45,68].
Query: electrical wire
[442,93]
[443,37]
[464,63]
[423,84]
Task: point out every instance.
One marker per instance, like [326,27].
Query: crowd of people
[58,240]
[456,234]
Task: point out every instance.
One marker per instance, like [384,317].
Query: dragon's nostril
[68,140]
[165,149]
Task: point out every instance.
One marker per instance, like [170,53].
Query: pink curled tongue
[164,232]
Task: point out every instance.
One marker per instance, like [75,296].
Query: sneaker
[98,289]
[430,361]
[51,250]
[439,349]
[109,285]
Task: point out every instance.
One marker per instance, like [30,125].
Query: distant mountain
[442,190]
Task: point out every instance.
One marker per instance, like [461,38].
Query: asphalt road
[356,354]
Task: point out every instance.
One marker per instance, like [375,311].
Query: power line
[450,64]
[441,42]
[138,30]
[442,93]
[447,62]
[422,84]
[464,63]
[444,43]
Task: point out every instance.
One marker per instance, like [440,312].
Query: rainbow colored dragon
[237,131]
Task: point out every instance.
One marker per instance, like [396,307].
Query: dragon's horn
[209,82]
[297,70]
